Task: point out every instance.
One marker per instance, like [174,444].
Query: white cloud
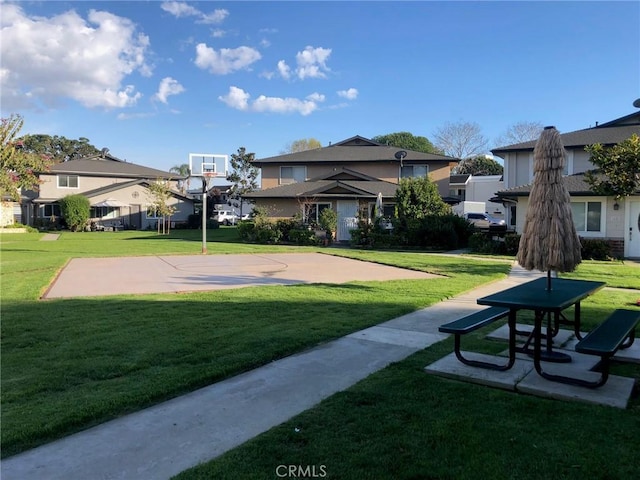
[239,99]
[312,62]
[350,94]
[168,86]
[284,69]
[66,56]
[227,60]
[183,9]
[218,33]
[236,98]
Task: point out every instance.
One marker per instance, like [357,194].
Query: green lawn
[68,364]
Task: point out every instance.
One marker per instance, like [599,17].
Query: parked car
[225,217]
[484,221]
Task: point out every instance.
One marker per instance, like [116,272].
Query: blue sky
[156,80]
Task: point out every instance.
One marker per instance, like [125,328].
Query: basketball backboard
[210,165]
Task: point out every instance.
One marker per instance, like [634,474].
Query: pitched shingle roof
[354,149]
[328,188]
[109,166]
[575,184]
[609,133]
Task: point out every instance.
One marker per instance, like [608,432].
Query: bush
[75,209]
[483,243]
[595,249]
[302,236]
[511,243]
[194,221]
[285,226]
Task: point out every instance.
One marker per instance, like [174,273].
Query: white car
[484,221]
[225,217]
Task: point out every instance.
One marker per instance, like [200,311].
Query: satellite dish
[401,154]
[637,103]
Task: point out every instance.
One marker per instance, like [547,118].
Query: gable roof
[329,188]
[354,149]
[105,165]
[610,133]
[114,187]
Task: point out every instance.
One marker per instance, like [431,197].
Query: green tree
[618,172]
[302,145]
[184,171]
[160,196]
[244,174]
[76,210]
[18,168]
[408,141]
[480,165]
[58,148]
[417,198]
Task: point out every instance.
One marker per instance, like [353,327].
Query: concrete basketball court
[83,277]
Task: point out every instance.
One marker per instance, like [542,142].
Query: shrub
[302,236]
[286,226]
[328,221]
[246,231]
[511,243]
[483,243]
[75,210]
[194,221]
[595,249]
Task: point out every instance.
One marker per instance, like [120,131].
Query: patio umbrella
[549,240]
[379,205]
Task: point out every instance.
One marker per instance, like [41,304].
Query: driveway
[83,277]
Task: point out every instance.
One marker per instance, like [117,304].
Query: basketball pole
[204,214]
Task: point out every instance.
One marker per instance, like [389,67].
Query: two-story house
[346,176]
[117,191]
[595,216]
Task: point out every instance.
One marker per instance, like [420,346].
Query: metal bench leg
[604,365]
[489,365]
[629,341]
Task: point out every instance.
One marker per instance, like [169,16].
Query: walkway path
[171,437]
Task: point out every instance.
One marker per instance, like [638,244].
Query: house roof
[114,187]
[354,149]
[106,165]
[459,179]
[576,185]
[329,188]
[609,133]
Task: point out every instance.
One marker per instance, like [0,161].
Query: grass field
[69,364]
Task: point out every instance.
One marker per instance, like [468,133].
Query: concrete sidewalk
[171,437]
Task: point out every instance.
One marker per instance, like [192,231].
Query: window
[67,181]
[51,210]
[292,175]
[152,212]
[311,211]
[459,193]
[409,171]
[587,216]
[103,212]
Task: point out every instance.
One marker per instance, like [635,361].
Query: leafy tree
[18,168]
[58,148]
[184,171]
[520,132]
[76,210]
[160,196]
[418,197]
[407,140]
[480,165]
[243,174]
[461,140]
[302,145]
[619,167]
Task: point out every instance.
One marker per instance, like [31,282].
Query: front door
[347,219]
[633,230]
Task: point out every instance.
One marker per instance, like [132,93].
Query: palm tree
[184,171]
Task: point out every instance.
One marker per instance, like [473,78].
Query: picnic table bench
[615,333]
[473,322]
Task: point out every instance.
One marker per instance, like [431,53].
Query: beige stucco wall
[49,186]
[389,172]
